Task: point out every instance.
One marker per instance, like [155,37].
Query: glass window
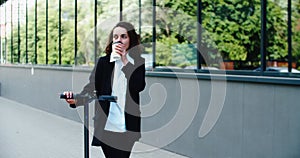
[230,32]
[176,36]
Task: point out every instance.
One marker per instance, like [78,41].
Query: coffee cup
[114,55]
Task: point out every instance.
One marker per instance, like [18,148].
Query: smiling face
[120,34]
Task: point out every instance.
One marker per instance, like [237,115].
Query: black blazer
[100,81]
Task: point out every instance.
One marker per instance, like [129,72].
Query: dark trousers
[117,145]
[111,152]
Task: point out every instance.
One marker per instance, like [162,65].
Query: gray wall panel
[258,120]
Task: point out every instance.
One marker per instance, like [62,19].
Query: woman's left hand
[120,49]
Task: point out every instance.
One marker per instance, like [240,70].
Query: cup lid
[117,42]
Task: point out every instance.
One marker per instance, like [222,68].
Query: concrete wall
[256,120]
[41,87]
[187,114]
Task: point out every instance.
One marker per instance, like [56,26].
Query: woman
[117,124]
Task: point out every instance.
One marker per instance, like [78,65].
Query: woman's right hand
[69,97]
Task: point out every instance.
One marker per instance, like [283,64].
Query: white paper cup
[114,55]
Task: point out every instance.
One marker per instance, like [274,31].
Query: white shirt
[116,118]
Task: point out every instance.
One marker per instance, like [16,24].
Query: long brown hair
[135,48]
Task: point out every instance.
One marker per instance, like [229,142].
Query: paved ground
[26,132]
